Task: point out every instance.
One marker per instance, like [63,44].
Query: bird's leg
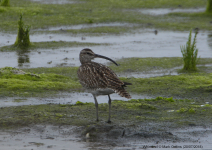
[109,103]
[96,104]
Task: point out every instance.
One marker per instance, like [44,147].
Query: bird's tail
[127,83]
[122,92]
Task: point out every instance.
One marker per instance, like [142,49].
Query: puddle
[156,73]
[40,137]
[63,137]
[62,98]
[82,26]
[199,136]
[153,73]
[164,11]
[141,44]
[7,39]
[55,1]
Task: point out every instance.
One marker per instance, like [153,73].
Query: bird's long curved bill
[100,56]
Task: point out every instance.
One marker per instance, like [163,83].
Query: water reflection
[23,58]
[209,40]
[156,32]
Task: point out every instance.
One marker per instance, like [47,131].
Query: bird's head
[86,55]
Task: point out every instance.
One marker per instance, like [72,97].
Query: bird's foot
[97,120]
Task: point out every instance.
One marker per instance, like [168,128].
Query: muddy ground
[112,137]
[136,124]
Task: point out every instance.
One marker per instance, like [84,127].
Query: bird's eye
[88,53]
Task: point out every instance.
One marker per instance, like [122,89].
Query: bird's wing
[90,76]
[94,75]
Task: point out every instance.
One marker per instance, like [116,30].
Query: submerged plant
[5,3]
[189,53]
[22,39]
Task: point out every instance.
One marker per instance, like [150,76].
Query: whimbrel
[98,79]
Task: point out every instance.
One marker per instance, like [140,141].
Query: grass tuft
[22,40]
[189,53]
[5,3]
[209,6]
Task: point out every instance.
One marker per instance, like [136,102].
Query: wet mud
[104,137]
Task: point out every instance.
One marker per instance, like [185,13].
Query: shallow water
[62,98]
[82,26]
[63,137]
[55,1]
[164,11]
[152,73]
[40,137]
[141,44]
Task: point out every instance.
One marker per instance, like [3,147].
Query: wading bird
[98,79]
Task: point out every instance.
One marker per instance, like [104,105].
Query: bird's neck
[84,61]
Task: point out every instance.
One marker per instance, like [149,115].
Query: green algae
[78,103]
[184,85]
[146,64]
[159,98]
[50,45]
[91,11]
[199,20]
[70,72]
[99,31]
[123,113]
[27,84]
[5,3]
[40,80]
[152,64]
[189,85]
[159,4]
[18,100]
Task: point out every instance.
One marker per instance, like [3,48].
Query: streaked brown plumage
[98,79]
